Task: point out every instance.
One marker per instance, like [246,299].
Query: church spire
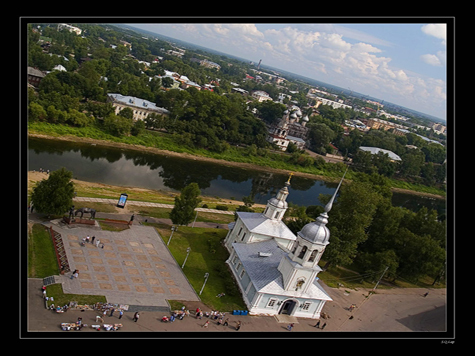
[329,205]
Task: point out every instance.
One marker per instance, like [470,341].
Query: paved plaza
[133,267]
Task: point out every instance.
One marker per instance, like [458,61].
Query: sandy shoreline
[212,160]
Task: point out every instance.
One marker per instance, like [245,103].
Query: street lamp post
[187,253]
[173,230]
[206,278]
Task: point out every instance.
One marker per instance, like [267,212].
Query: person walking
[121,312]
[136,316]
[205,325]
[290,326]
[226,322]
[323,326]
[132,219]
[317,325]
[112,311]
[238,326]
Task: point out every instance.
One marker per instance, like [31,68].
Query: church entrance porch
[288,307]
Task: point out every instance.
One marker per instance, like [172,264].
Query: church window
[312,256]
[295,248]
[239,233]
[306,306]
[242,273]
[277,214]
[265,212]
[302,251]
[271,302]
[243,236]
[299,284]
[235,260]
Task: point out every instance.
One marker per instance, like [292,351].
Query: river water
[115,166]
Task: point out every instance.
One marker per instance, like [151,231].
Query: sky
[403,63]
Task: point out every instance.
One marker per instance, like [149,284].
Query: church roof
[261,259]
[260,224]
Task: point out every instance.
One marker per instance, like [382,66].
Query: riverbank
[186,155]
[108,191]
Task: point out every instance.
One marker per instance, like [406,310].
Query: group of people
[87,239]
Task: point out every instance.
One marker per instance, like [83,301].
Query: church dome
[278,203]
[316,232]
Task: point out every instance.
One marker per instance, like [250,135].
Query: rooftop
[261,224]
[136,102]
[261,259]
[376,150]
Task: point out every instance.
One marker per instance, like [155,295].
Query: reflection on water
[122,167]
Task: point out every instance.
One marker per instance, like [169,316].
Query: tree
[117,125]
[349,220]
[55,194]
[185,205]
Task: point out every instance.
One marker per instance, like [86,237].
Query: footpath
[147,204]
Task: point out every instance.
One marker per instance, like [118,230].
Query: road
[395,310]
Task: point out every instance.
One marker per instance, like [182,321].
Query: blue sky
[401,63]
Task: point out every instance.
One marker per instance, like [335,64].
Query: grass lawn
[60,298]
[41,256]
[42,263]
[207,255]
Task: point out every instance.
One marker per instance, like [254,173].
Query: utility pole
[379,280]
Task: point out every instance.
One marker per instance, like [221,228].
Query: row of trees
[371,234]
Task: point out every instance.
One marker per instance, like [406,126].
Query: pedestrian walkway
[148,204]
[128,267]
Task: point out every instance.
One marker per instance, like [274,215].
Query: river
[116,166]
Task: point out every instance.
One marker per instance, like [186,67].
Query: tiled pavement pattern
[144,203]
[134,267]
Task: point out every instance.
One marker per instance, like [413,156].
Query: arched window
[313,255]
[302,251]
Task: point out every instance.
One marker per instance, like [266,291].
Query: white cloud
[437,30]
[431,59]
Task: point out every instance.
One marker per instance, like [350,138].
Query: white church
[275,270]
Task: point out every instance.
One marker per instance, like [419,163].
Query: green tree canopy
[55,194]
[185,205]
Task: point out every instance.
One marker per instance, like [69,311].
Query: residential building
[275,270]
[333,104]
[140,107]
[261,96]
[35,76]
[208,64]
[70,28]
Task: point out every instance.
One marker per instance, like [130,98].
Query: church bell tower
[299,268]
[276,206]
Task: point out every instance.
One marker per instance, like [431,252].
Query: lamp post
[187,253]
[206,278]
[173,230]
